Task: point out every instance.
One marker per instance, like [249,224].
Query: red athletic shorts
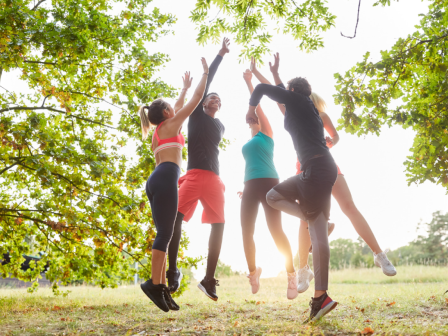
[207,187]
[299,170]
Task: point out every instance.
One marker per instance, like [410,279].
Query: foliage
[72,162]
[434,245]
[223,270]
[408,86]
[247,20]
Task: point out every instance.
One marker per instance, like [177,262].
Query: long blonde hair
[153,117]
[320,104]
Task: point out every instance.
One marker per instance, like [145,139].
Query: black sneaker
[320,306]
[169,300]
[156,294]
[209,288]
[174,278]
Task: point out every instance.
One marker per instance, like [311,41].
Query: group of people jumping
[307,195]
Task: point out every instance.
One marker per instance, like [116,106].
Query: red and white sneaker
[255,280]
[320,306]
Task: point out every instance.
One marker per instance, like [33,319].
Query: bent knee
[272,197]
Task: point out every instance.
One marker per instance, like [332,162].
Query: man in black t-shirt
[202,183]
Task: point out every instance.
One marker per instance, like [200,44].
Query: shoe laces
[383,257]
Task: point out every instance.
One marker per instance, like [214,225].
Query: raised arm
[333,139]
[276,93]
[262,79]
[184,112]
[181,100]
[265,126]
[274,69]
[213,68]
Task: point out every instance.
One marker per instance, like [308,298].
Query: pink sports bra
[175,142]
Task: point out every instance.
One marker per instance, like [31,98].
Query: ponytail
[152,115]
[144,120]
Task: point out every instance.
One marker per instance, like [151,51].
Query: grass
[416,308]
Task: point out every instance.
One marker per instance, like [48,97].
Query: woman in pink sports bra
[162,185]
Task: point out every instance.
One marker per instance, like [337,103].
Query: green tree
[73,165]
[434,245]
[408,86]
[248,21]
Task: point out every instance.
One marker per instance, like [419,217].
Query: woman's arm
[265,126]
[333,139]
[185,111]
[274,69]
[262,79]
[276,93]
[181,100]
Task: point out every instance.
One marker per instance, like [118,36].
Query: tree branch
[7,168]
[357,20]
[53,110]
[37,5]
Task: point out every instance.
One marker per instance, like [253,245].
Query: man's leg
[214,249]
[173,248]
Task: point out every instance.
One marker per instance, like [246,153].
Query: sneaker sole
[180,280]
[205,292]
[324,311]
[390,274]
[166,310]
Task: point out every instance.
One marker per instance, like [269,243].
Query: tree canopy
[408,86]
[69,187]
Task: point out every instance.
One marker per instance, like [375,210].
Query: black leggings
[255,193]
[161,189]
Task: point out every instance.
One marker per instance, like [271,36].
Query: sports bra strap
[156,132]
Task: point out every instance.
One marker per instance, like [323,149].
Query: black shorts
[312,188]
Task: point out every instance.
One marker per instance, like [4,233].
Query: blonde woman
[161,187]
[342,194]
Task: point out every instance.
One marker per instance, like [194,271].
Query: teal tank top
[259,155]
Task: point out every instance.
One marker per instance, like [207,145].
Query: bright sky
[373,166]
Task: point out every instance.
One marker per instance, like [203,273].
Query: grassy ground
[367,306]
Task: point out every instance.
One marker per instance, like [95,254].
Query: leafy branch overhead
[407,87]
[248,21]
[72,165]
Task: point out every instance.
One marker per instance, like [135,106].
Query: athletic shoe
[382,261]
[174,278]
[254,280]
[209,288]
[320,306]
[169,300]
[293,280]
[330,230]
[305,275]
[156,294]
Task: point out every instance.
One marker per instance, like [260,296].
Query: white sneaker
[305,275]
[293,280]
[255,280]
[382,261]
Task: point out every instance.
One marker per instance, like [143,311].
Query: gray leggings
[318,229]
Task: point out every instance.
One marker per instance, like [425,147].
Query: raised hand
[253,64]
[187,80]
[274,68]
[224,47]
[247,75]
[204,65]
[251,116]
[240,194]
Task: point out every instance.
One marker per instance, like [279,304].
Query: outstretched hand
[225,47]
[204,65]
[274,68]
[187,80]
[247,75]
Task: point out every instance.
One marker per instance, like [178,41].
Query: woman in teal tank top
[260,177]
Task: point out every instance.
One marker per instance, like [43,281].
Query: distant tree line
[430,248]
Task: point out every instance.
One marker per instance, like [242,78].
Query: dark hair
[153,116]
[211,93]
[300,85]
